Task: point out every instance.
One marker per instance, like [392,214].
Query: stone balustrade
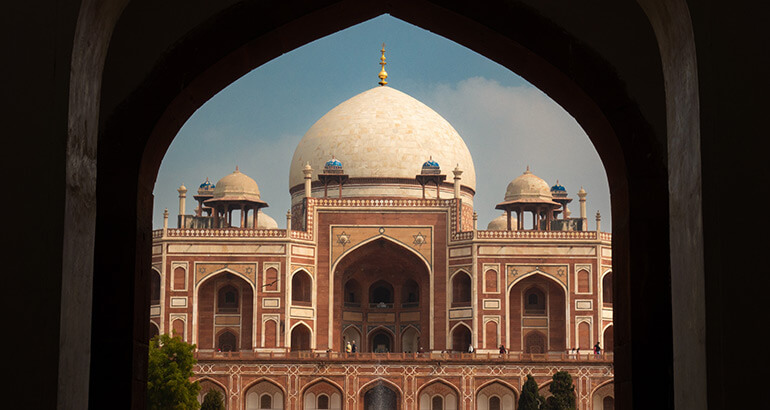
[446,357]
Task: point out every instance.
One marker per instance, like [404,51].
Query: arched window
[381,294]
[227,299]
[609,339]
[534,302]
[352,335]
[461,338]
[266,401]
[410,340]
[494,403]
[301,288]
[155,288]
[227,342]
[381,342]
[461,289]
[264,395]
[352,293]
[496,396]
[410,294]
[323,402]
[300,338]
[607,290]
[437,403]
[608,403]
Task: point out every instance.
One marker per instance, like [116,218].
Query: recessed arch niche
[392,279]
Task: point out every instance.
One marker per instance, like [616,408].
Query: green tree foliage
[563,392]
[213,400]
[168,375]
[530,398]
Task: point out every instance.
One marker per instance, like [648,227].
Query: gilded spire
[383,75]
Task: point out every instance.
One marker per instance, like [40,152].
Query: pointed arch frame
[567,316]
[333,274]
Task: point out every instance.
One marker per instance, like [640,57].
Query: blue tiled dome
[334,162]
[206,188]
[430,164]
[558,188]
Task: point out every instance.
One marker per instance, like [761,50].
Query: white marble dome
[501,223]
[236,187]
[528,188]
[382,133]
[264,221]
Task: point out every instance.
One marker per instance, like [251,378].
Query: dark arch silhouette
[381,397]
[300,338]
[549,55]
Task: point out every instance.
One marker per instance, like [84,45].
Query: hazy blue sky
[257,121]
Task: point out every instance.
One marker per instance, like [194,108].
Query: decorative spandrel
[203,270]
[417,238]
[557,272]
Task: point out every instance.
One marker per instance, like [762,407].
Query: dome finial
[383,75]
[236,169]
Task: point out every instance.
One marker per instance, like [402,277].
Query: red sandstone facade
[272,310]
[387,296]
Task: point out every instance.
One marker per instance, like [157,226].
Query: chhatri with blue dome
[333,174]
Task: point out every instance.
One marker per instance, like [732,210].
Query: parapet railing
[220,233]
[383,202]
[310,356]
[589,235]
[465,235]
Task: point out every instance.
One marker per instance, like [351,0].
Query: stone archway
[538,303]
[300,338]
[380,396]
[391,279]
[381,341]
[504,28]
[224,295]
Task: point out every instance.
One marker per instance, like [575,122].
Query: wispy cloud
[509,128]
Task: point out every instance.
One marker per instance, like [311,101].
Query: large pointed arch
[533,273]
[549,61]
[202,393]
[482,400]
[499,381]
[374,239]
[225,270]
[322,379]
[368,386]
[566,309]
[247,327]
[441,381]
[269,382]
[364,255]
